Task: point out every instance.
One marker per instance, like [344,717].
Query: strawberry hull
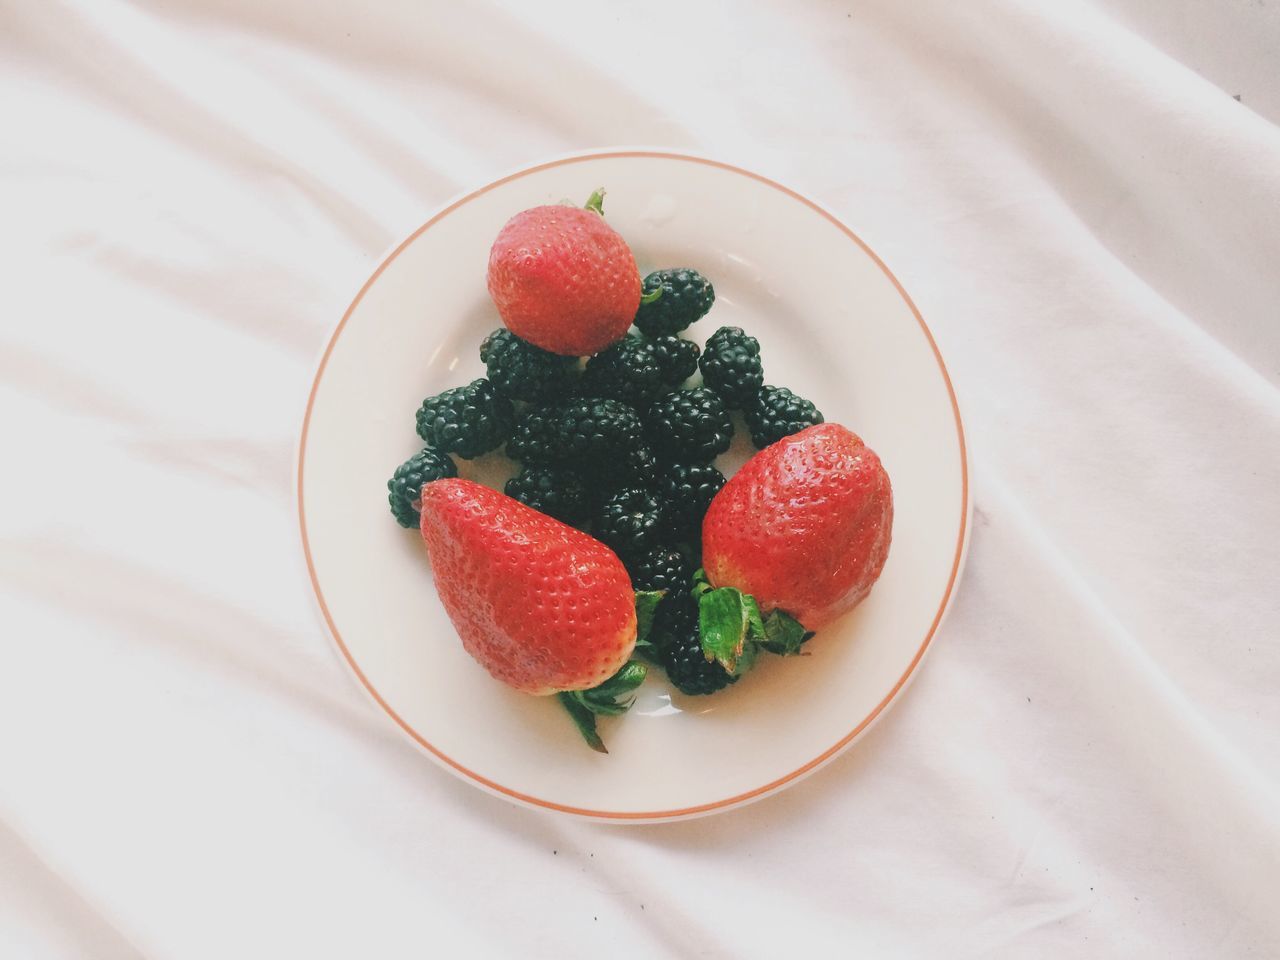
[543,607]
[804,526]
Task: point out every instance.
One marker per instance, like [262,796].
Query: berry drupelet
[404,489]
[554,491]
[630,522]
[468,420]
[680,648]
[629,371]
[691,426]
[677,359]
[686,296]
[521,371]
[731,366]
[776,412]
[688,489]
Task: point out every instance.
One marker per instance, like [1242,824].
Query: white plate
[834,325]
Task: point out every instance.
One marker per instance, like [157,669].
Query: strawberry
[543,607]
[804,527]
[563,279]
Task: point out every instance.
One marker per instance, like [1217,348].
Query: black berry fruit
[591,432]
[685,298]
[661,568]
[677,359]
[628,371]
[554,491]
[776,412]
[521,371]
[731,366]
[691,426]
[404,489]
[597,437]
[688,489]
[630,522]
[636,467]
[535,437]
[680,649]
[468,420]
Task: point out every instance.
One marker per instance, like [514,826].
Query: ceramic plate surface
[834,325]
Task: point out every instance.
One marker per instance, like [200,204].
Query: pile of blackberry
[617,444]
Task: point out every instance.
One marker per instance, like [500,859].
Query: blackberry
[689,425]
[521,371]
[404,489]
[677,359]
[554,491]
[628,371]
[636,467]
[680,648]
[468,420]
[661,568]
[534,439]
[688,489]
[776,412]
[595,436]
[630,521]
[731,366]
[686,297]
[592,432]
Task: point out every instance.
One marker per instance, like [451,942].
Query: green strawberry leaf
[615,695]
[648,651]
[596,201]
[727,620]
[609,699]
[784,634]
[646,607]
[755,622]
[734,631]
[750,650]
[583,719]
[700,583]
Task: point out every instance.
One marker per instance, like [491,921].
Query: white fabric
[1088,763]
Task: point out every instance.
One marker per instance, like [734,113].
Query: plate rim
[626,816]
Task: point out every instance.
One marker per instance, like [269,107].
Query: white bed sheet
[1084,202]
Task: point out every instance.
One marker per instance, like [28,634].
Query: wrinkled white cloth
[1083,200]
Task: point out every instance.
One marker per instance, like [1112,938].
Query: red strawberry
[563,279]
[542,606]
[804,526]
